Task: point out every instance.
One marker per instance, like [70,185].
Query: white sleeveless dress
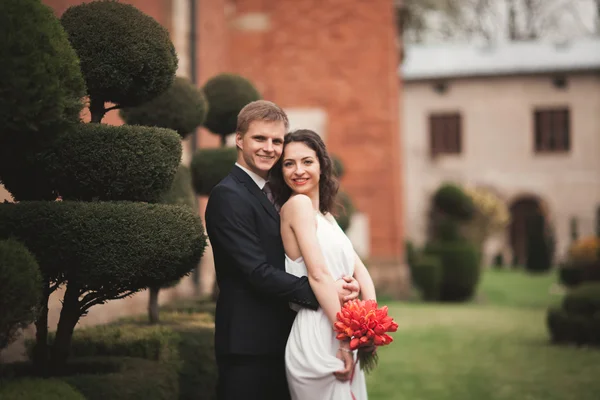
[310,354]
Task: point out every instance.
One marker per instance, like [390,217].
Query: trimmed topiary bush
[41,82]
[451,200]
[89,167]
[227,94]
[539,252]
[583,300]
[182,107]
[210,166]
[460,269]
[570,276]
[20,289]
[40,96]
[427,276]
[344,211]
[126,56]
[104,250]
[578,319]
[35,389]
[78,242]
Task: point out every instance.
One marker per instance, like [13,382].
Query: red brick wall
[339,55]
[212,52]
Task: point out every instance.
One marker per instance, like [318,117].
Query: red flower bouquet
[365,325]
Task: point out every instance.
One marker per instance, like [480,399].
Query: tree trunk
[40,350]
[69,316]
[97,111]
[153,305]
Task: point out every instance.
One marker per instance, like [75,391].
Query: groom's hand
[348,288]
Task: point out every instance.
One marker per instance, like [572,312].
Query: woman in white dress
[317,364]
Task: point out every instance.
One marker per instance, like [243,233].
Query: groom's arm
[231,223]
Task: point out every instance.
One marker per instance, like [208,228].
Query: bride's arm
[361,274]
[299,214]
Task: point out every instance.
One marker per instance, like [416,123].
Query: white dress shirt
[260,182]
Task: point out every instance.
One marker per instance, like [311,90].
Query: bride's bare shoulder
[298,203]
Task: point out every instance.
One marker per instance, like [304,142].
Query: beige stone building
[521,118]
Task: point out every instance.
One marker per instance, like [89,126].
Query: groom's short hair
[260,110]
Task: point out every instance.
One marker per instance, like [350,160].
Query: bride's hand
[345,354]
[347,288]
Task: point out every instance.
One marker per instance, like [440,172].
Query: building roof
[454,61]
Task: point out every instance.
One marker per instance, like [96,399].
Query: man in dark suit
[253,318]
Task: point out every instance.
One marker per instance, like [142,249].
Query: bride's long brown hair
[328,183]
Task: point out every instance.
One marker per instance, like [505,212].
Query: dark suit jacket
[253,315]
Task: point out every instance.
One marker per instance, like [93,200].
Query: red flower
[364,325]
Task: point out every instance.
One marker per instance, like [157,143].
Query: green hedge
[150,342]
[453,201]
[227,94]
[129,378]
[103,162]
[460,269]
[126,56]
[20,289]
[36,389]
[182,107]
[107,246]
[128,359]
[210,166]
[427,276]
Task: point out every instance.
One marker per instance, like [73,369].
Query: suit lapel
[245,179]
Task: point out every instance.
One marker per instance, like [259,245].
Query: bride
[302,182]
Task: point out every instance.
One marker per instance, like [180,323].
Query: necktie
[267,191]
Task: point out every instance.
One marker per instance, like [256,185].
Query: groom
[253,318]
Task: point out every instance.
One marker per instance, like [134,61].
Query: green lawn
[496,347]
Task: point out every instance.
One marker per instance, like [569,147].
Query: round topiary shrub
[127,57]
[182,107]
[460,269]
[453,201]
[108,248]
[210,166]
[583,300]
[40,80]
[104,162]
[578,320]
[20,289]
[344,210]
[427,276]
[41,89]
[227,94]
